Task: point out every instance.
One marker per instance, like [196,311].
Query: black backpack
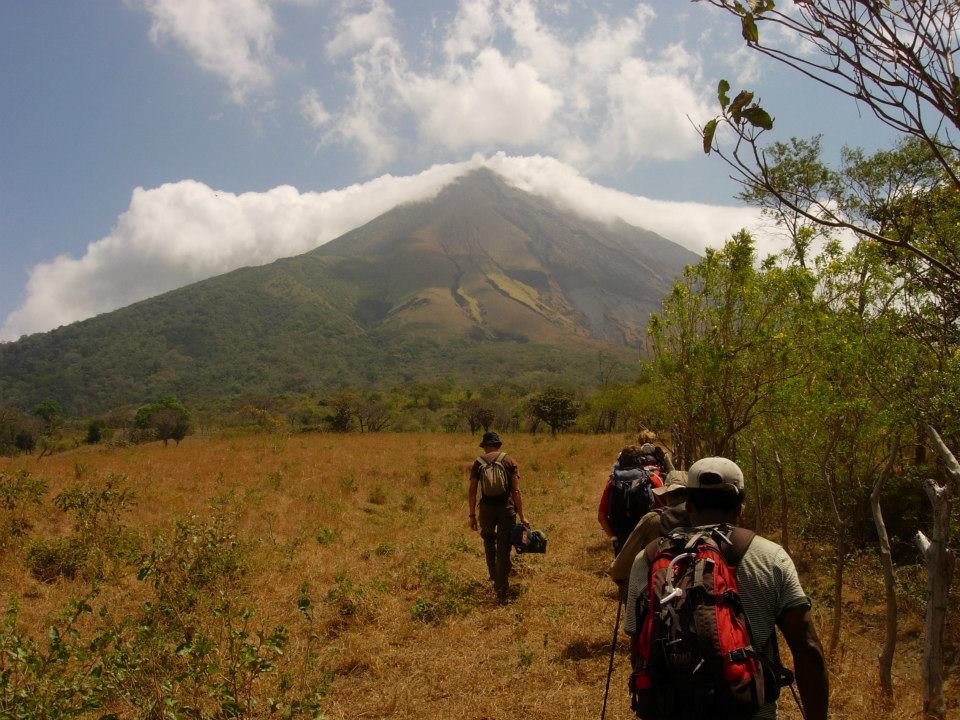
[631,497]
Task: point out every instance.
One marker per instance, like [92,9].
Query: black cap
[491,438]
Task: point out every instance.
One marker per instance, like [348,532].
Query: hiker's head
[629,457]
[674,489]
[715,490]
[491,441]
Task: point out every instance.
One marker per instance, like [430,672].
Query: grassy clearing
[339,572]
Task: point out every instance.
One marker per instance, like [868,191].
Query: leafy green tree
[95,430]
[896,58]
[722,347]
[477,413]
[50,413]
[18,431]
[167,417]
[556,407]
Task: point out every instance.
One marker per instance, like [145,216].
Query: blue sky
[146,144]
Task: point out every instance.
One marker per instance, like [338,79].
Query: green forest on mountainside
[482,284]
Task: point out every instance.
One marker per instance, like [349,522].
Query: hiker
[651,454]
[497,476]
[628,495]
[733,586]
[670,514]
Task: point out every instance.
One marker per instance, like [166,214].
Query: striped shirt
[768,585]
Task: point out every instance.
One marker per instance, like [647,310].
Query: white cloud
[650,103]
[596,96]
[693,225]
[491,102]
[358,31]
[312,108]
[472,27]
[536,42]
[230,38]
[183,232]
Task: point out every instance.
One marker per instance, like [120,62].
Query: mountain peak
[483,278]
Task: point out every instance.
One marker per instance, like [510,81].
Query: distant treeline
[443,406]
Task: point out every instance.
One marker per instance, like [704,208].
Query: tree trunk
[939,560]
[839,566]
[784,506]
[758,494]
[886,562]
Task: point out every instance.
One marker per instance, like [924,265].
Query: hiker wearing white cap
[745,578]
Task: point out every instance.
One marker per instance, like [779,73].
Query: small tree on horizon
[167,417]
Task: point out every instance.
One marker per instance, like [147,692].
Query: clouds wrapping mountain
[186,231]
[483,283]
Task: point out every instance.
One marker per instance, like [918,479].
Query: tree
[167,417]
[940,562]
[352,409]
[50,413]
[478,414]
[896,58]
[555,407]
[722,347]
[18,431]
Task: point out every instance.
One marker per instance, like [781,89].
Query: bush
[18,491]
[18,431]
[98,545]
[196,557]
[57,557]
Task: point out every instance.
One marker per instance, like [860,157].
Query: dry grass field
[359,546]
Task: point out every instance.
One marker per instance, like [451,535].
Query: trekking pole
[796,698]
[613,650]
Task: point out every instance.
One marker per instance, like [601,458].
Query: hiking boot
[503,598]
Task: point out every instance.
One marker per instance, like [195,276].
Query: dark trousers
[496,523]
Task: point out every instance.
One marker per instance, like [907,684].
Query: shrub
[196,557]
[56,557]
[326,535]
[18,491]
[443,593]
[99,543]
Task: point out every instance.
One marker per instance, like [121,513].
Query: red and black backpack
[692,654]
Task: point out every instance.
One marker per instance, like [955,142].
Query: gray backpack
[494,478]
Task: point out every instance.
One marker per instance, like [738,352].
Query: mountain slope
[483,282]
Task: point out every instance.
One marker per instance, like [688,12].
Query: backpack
[527,540]
[494,478]
[631,497]
[692,654]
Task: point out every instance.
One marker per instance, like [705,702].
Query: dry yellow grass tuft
[372,529]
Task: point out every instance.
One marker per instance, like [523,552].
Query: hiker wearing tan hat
[671,513]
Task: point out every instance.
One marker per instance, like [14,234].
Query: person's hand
[473,523]
[523,520]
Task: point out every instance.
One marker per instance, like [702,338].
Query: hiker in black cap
[497,477]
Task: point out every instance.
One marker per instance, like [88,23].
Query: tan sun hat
[676,480]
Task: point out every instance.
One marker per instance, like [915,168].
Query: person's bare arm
[808,663]
[604,523]
[517,495]
[472,501]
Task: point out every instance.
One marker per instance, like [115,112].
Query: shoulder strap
[500,457]
[483,461]
[651,550]
[740,539]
